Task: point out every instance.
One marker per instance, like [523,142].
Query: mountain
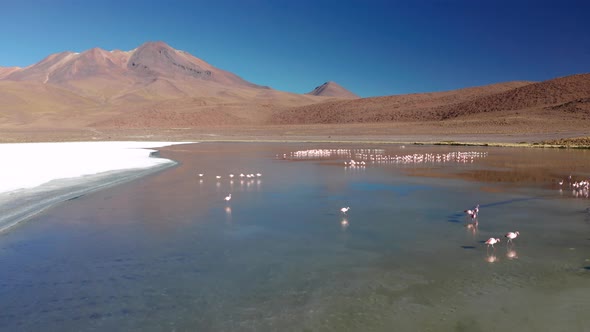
[158,87]
[143,65]
[114,85]
[332,89]
[410,107]
[524,102]
[549,93]
[5,71]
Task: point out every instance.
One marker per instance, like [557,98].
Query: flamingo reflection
[511,254]
[472,227]
[228,213]
[491,258]
[344,223]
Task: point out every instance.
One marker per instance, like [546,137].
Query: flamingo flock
[249,176]
[360,158]
[579,189]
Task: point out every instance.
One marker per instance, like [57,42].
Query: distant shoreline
[420,134]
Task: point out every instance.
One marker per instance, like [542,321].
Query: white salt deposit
[28,165]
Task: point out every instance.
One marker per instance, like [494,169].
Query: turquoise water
[166,252]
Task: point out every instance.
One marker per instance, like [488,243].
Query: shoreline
[40,176]
[543,144]
[422,134]
[23,204]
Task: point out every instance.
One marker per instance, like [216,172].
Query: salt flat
[28,165]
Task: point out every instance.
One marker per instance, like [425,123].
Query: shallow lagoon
[166,252]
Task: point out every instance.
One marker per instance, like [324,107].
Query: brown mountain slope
[538,95]
[24,103]
[5,71]
[332,89]
[118,87]
[108,73]
[157,59]
[410,107]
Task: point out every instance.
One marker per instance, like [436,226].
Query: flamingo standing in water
[228,198]
[491,241]
[345,209]
[473,213]
[511,236]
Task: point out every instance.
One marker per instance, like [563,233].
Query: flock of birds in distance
[250,176]
[359,158]
[579,188]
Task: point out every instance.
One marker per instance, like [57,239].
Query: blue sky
[372,48]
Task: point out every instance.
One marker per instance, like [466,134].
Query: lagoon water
[167,253]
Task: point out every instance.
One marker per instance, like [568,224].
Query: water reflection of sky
[167,252]
[400,189]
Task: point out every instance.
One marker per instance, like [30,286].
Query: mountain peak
[148,62]
[332,89]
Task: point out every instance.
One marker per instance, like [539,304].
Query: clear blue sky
[372,48]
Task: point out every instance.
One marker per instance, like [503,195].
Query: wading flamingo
[473,213]
[227,198]
[345,209]
[511,236]
[491,241]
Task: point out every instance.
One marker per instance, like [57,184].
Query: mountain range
[156,86]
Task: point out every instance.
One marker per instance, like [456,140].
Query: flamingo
[511,236]
[231,175]
[201,175]
[218,177]
[345,209]
[491,241]
[471,213]
[227,198]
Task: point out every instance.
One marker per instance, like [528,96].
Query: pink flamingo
[228,198]
[345,209]
[473,213]
[491,241]
[511,236]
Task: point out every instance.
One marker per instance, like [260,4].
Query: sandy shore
[405,133]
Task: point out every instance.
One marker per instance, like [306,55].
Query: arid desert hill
[152,85]
[554,97]
[157,89]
